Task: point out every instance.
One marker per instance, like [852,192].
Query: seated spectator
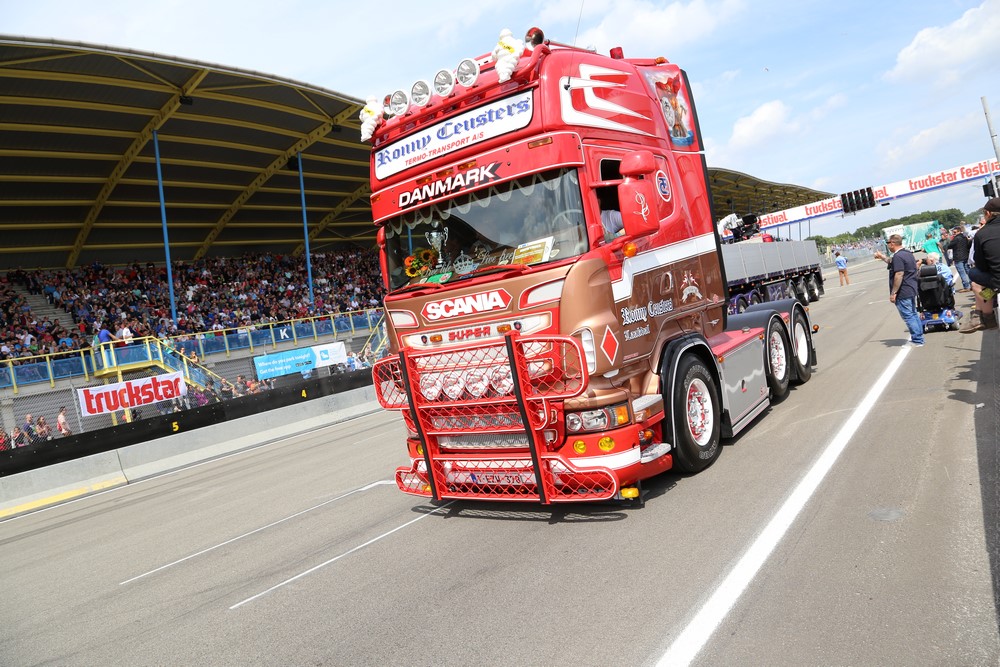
[934,259]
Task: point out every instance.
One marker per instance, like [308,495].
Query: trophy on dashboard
[437,238]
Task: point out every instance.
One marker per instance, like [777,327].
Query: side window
[607,198]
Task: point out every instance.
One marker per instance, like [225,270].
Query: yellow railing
[84,363]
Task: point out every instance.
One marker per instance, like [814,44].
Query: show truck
[914,234]
[547,343]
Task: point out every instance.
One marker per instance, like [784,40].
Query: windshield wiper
[417,286]
[500,268]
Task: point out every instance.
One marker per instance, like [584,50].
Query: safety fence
[16,373]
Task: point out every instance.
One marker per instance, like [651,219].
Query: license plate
[501,478]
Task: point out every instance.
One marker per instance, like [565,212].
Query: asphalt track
[856,523]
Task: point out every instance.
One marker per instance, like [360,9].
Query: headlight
[503,381]
[454,385]
[600,419]
[399,103]
[574,423]
[444,83]
[467,72]
[478,382]
[420,93]
[430,386]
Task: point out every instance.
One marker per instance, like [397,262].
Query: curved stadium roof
[78,177]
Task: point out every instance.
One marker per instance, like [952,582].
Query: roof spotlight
[399,103]
[420,93]
[467,72]
[444,83]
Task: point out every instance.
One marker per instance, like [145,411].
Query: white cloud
[832,103]
[931,141]
[769,120]
[941,55]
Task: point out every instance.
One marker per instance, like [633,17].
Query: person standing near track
[841,263]
[959,246]
[985,275]
[903,286]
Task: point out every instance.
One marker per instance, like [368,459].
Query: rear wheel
[803,343]
[812,288]
[777,358]
[741,304]
[696,415]
[754,298]
[801,291]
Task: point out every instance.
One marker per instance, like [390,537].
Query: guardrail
[15,373]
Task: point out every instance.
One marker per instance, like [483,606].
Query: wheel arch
[673,351]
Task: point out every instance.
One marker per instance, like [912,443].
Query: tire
[801,291]
[697,414]
[812,288]
[741,304]
[777,361]
[790,290]
[754,298]
[803,343]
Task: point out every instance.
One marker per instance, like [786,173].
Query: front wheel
[696,416]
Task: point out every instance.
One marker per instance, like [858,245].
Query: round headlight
[398,103]
[573,422]
[454,385]
[420,93]
[467,72]
[430,386]
[444,83]
[502,381]
[478,382]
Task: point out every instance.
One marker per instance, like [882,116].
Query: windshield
[532,220]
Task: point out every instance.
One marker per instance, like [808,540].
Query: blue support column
[163,220]
[305,231]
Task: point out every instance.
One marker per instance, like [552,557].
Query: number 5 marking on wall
[174,426]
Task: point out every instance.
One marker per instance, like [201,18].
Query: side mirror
[637,194]
[638,202]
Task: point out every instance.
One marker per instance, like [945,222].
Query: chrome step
[654,452]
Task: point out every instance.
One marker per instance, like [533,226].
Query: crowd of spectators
[211,294]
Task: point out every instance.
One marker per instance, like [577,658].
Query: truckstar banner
[975,171]
[130,394]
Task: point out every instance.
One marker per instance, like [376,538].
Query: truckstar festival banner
[975,171]
[130,394]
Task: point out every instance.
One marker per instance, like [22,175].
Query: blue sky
[831,95]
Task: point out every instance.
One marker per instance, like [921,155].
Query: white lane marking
[336,558]
[257,530]
[693,637]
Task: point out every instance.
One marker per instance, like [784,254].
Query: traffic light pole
[996,143]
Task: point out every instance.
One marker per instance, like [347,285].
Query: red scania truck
[557,300]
